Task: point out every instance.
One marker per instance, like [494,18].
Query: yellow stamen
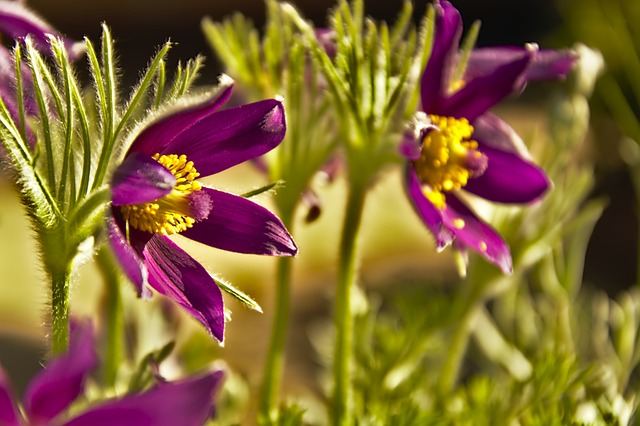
[459,223]
[170,214]
[456,85]
[448,158]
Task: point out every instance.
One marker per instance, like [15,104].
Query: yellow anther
[483,246]
[171,213]
[448,158]
[456,85]
[459,223]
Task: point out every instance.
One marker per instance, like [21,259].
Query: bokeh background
[396,247]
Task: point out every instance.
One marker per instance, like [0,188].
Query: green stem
[113,350]
[274,365]
[347,274]
[60,311]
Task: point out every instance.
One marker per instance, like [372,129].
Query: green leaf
[239,295]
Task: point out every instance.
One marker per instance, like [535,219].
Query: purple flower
[53,390]
[466,147]
[18,22]
[155,193]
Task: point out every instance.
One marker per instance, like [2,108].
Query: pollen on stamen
[177,211]
[449,158]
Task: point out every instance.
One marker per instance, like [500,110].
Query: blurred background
[394,250]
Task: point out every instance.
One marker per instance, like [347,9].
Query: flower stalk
[343,404]
[114,321]
[60,281]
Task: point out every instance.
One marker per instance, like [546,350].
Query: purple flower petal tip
[140,179]
[184,403]
[9,414]
[62,381]
[176,275]
[18,22]
[242,226]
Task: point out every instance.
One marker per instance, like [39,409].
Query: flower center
[176,211]
[449,158]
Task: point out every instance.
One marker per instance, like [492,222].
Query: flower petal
[429,214]
[494,132]
[62,381]
[240,225]
[480,94]
[17,21]
[178,276]
[140,179]
[231,136]
[130,259]
[508,178]
[161,133]
[473,233]
[547,64]
[9,414]
[437,74]
[184,403]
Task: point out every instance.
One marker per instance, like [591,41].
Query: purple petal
[140,179]
[62,381]
[231,136]
[17,22]
[9,414]
[480,94]
[216,140]
[8,91]
[242,226]
[508,178]
[429,214]
[547,64]
[178,276]
[494,132]
[184,403]
[331,167]
[437,74]
[476,235]
[327,39]
[130,259]
[161,133]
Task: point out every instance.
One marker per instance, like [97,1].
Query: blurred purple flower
[155,193]
[18,22]
[52,391]
[464,146]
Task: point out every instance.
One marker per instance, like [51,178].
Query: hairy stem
[60,310]
[113,351]
[347,274]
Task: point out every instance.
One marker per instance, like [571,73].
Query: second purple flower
[466,147]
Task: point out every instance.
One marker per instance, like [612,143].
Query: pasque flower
[53,390]
[18,22]
[462,146]
[155,193]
